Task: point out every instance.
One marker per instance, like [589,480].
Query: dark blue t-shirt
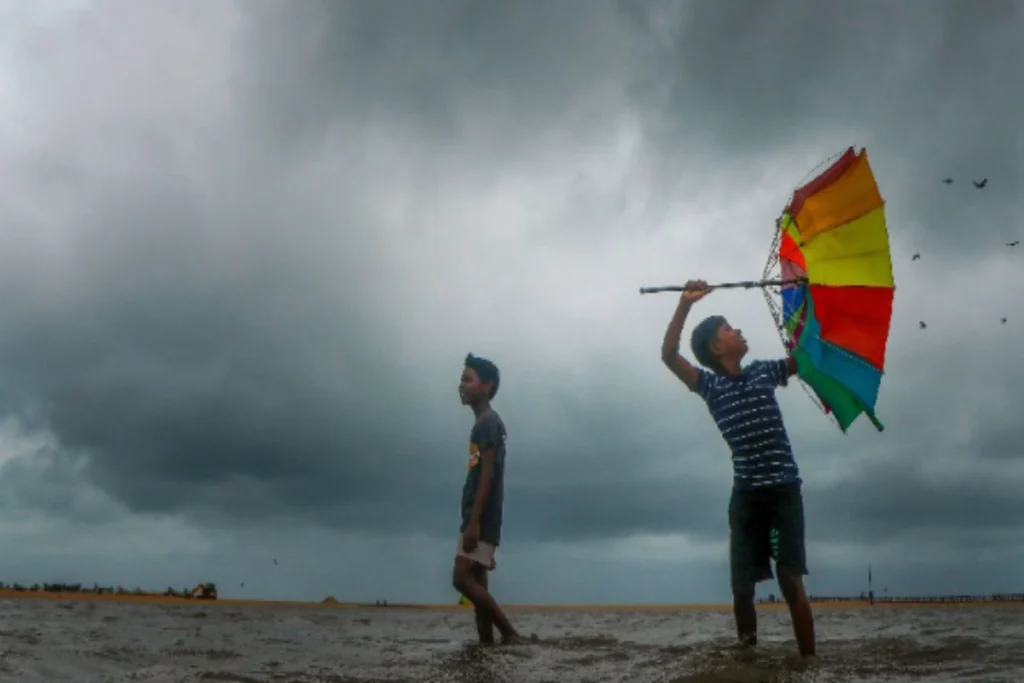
[748,416]
[487,434]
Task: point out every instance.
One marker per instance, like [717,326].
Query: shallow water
[47,640]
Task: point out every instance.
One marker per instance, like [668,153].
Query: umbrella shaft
[748,284]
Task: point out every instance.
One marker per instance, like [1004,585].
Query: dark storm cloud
[998,435]
[231,335]
[518,71]
[187,329]
[925,87]
[714,82]
[897,500]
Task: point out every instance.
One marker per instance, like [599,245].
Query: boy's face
[729,342]
[471,389]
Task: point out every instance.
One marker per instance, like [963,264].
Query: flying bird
[915,257]
[982,184]
[947,180]
[1002,320]
[922,325]
[1013,243]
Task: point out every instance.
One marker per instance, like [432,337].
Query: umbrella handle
[747,284]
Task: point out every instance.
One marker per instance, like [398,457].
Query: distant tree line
[914,599]
[96,589]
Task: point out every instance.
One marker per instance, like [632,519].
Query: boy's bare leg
[465,581]
[746,614]
[792,588]
[484,624]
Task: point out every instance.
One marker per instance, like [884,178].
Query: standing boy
[482,498]
[766,482]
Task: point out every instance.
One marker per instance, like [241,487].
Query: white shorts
[483,553]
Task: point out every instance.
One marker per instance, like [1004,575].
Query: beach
[129,638]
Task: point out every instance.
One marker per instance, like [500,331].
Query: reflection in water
[50,641]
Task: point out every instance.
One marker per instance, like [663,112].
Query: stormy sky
[247,245]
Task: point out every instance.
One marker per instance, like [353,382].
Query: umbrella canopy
[838,292]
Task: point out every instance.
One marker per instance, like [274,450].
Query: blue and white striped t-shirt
[748,416]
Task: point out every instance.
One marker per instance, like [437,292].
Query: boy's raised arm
[680,367]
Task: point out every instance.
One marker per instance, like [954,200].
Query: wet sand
[141,639]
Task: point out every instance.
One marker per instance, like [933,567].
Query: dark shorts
[752,516]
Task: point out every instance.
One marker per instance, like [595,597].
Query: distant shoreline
[950,601]
[711,607]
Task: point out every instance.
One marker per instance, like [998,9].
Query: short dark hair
[701,338]
[485,370]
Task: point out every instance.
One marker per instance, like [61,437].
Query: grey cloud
[925,90]
[515,72]
[892,501]
[999,435]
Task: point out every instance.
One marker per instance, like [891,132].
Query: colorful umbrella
[830,264]
[837,287]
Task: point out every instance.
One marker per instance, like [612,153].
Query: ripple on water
[48,641]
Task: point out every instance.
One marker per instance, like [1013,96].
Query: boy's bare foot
[516,639]
[746,642]
[801,662]
[744,648]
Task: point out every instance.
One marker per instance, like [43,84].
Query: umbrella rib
[776,312]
